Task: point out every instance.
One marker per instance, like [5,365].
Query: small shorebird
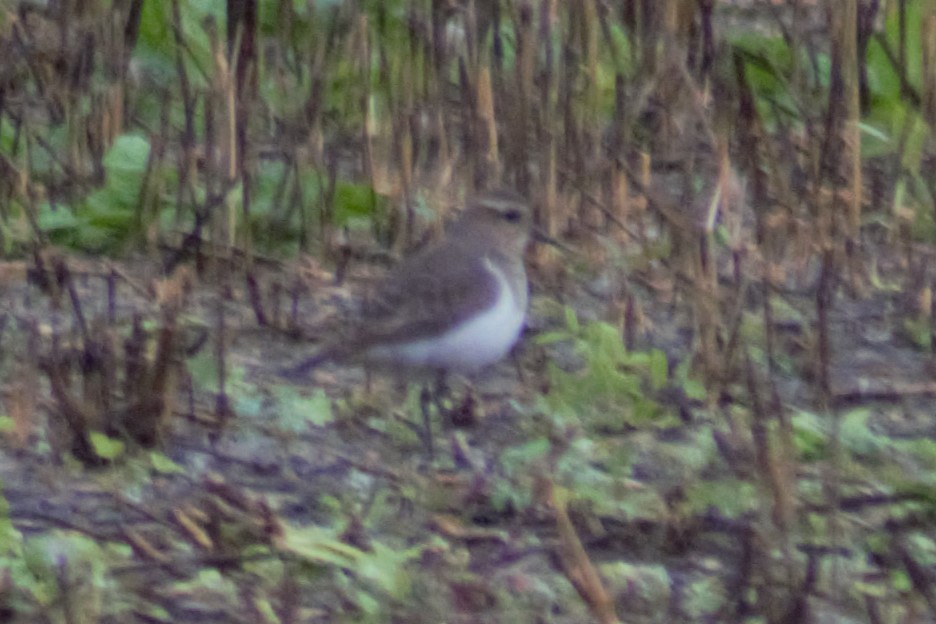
[457,306]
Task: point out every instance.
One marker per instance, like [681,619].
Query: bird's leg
[429,396]
[515,358]
[425,404]
[441,390]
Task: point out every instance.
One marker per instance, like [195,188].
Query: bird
[456,306]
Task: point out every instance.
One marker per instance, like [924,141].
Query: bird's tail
[297,372]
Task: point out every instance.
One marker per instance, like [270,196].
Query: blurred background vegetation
[749,188]
[273,123]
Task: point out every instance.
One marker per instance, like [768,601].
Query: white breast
[477,342]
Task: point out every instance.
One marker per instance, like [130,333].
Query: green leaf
[659,369]
[164,465]
[317,545]
[552,337]
[319,411]
[526,453]
[203,369]
[55,219]
[265,610]
[923,450]
[639,504]
[156,45]
[105,446]
[809,436]
[858,437]
[11,540]
[731,497]
[918,331]
[354,201]
[128,155]
[900,581]
[571,320]
[615,387]
[694,389]
[297,411]
[384,567]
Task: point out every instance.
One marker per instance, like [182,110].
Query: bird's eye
[512,216]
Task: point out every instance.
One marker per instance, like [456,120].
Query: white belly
[474,344]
